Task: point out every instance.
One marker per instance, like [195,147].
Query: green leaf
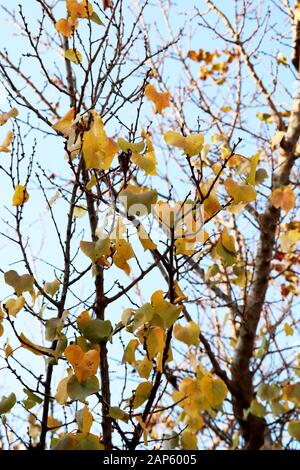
[268,392]
[6,403]
[257,409]
[31,400]
[73,55]
[141,394]
[95,18]
[53,328]
[79,441]
[278,408]
[97,330]
[225,255]
[116,413]
[170,441]
[79,391]
[294,429]
[188,440]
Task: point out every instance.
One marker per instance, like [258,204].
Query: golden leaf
[160,100]
[20,196]
[85,364]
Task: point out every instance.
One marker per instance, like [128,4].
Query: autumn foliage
[156,305]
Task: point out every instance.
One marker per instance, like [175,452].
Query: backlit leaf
[188,440]
[98,149]
[80,391]
[4,117]
[191,144]
[20,196]
[214,390]
[23,283]
[188,334]
[283,198]
[73,55]
[84,420]
[85,364]
[294,429]
[6,403]
[64,125]
[4,147]
[160,100]
[141,394]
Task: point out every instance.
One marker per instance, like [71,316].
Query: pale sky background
[50,155]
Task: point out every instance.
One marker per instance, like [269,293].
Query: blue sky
[50,155]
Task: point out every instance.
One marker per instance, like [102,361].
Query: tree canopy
[150,225]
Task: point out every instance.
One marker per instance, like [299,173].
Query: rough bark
[254,428]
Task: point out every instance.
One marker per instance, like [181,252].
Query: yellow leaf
[64,125]
[4,117]
[240,193]
[138,201]
[126,146]
[144,367]
[123,253]
[51,287]
[211,203]
[76,10]
[129,353]
[283,198]
[14,306]
[288,240]
[61,395]
[289,330]
[165,313]
[228,241]
[35,348]
[189,334]
[73,55]
[85,364]
[98,149]
[84,419]
[155,341]
[116,413]
[53,423]
[253,165]
[191,144]
[141,394]
[83,319]
[160,100]
[184,247]
[4,147]
[20,196]
[145,162]
[188,440]
[214,390]
[146,242]
[96,250]
[190,397]
[194,423]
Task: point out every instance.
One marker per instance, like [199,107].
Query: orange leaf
[65,27]
[283,198]
[85,364]
[161,100]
